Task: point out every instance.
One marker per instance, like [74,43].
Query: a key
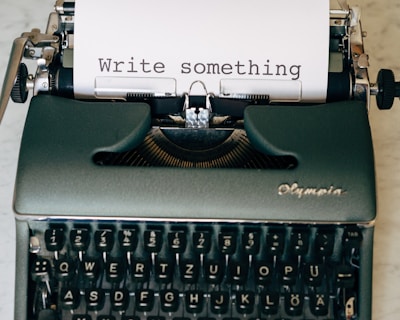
[152,240]
[299,241]
[237,272]
[352,238]
[294,303]
[105,317]
[213,271]
[245,302]
[169,299]
[54,239]
[177,241]
[194,301]
[144,299]
[251,242]
[275,241]
[324,242]
[81,317]
[115,270]
[90,268]
[189,270]
[79,239]
[69,298]
[104,240]
[288,272]
[126,317]
[269,301]
[345,277]
[95,299]
[219,302]
[319,304]
[263,271]
[64,269]
[227,242]
[350,307]
[119,299]
[164,270]
[41,270]
[140,270]
[313,274]
[202,241]
[128,239]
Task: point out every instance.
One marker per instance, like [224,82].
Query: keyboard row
[216,272]
[246,240]
[196,302]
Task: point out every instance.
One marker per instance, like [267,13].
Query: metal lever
[17,52]
[27,39]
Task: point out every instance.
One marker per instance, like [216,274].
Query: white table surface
[381,19]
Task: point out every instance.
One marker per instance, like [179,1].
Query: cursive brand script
[295,190]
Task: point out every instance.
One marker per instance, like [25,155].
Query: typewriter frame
[47,187]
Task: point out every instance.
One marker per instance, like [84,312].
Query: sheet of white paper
[235,47]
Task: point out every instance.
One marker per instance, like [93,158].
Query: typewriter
[134,204]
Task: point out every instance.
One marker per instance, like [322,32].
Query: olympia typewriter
[245,202]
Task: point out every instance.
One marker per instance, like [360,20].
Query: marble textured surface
[381,19]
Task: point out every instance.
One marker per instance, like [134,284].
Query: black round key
[237,271]
[79,239]
[214,271]
[202,241]
[345,276]
[115,270]
[319,303]
[219,302]
[104,240]
[194,301]
[263,272]
[90,268]
[227,242]
[299,240]
[54,239]
[144,299]
[245,302]
[276,241]
[294,303]
[251,242]
[352,238]
[64,269]
[189,270]
[119,299]
[269,301]
[140,270]
[95,299]
[69,298]
[177,241]
[41,269]
[169,299]
[153,240]
[164,270]
[313,274]
[128,239]
[324,242]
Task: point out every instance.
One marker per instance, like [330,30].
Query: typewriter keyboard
[161,271]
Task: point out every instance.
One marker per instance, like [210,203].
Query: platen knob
[19,92]
[388,89]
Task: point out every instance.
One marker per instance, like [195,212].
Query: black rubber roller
[386,89]
[19,92]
